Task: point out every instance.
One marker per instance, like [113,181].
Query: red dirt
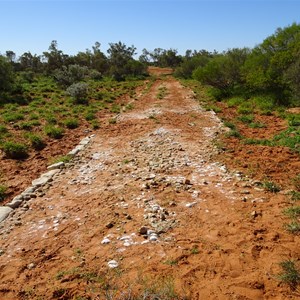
[219,236]
[277,164]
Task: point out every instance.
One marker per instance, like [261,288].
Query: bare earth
[149,194]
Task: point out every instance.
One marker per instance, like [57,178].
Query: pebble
[191,204]
[30,266]
[153,237]
[112,264]
[109,225]
[143,230]
[105,241]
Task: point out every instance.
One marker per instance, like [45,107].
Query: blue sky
[186,24]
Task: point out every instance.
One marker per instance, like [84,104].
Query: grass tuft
[290,273]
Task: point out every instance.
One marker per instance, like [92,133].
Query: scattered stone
[153,237]
[112,264]
[110,225]
[143,230]
[105,241]
[4,212]
[30,266]
[44,178]
[191,204]
[58,165]
[188,182]
[245,192]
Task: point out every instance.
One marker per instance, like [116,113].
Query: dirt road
[144,209]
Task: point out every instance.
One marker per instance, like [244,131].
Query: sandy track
[148,194]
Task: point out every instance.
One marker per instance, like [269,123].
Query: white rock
[58,165]
[125,238]
[112,264]
[74,152]
[4,212]
[105,241]
[84,141]
[191,204]
[40,181]
[15,203]
[153,238]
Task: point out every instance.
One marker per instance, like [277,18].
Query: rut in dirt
[146,199]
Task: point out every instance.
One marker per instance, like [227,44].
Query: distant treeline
[270,69]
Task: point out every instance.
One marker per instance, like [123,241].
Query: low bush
[290,273]
[12,117]
[15,150]
[71,123]
[36,141]
[79,92]
[3,189]
[54,132]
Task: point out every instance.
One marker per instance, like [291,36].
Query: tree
[68,75]
[29,62]
[271,67]
[55,58]
[6,75]
[121,61]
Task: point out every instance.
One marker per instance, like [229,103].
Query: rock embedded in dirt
[110,225]
[105,241]
[57,165]
[4,212]
[143,230]
[112,264]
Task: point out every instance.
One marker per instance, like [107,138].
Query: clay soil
[181,218]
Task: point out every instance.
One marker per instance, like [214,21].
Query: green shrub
[115,108]
[79,92]
[234,133]
[33,116]
[245,109]
[289,138]
[230,125]
[3,189]
[95,124]
[71,123]
[54,132]
[12,117]
[296,182]
[290,273]
[264,102]
[294,120]
[235,101]
[3,129]
[15,150]
[292,212]
[246,118]
[257,125]
[36,141]
[213,107]
[50,118]
[271,186]
[65,159]
[90,115]
[25,126]
[295,196]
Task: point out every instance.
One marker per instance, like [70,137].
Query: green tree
[271,67]
[122,63]
[6,75]
[55,58]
